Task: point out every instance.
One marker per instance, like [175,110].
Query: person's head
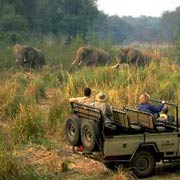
[101,97]
[165,109]
[87,92]
[143,99]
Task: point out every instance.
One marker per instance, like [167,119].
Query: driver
[144,105]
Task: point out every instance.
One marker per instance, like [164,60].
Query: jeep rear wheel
[143,163]
[89,134]
[72,130]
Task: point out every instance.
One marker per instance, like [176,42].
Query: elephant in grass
[28,57]
[130,56]
[91,56]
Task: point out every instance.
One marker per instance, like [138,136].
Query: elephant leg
[140,61]
[97,60]
[137,61]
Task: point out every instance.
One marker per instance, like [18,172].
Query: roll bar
[168,103]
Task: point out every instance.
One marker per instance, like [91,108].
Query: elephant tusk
[74,62]
[80,63]
[25,60]
[115,66]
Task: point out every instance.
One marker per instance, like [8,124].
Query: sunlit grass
[32,113]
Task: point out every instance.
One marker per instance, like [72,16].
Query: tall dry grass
[21,93]
[123,174]
[126,84]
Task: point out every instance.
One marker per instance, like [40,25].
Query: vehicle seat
[160,126]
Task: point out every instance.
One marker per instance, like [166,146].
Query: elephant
[28,57]
[130,56]
[91,56]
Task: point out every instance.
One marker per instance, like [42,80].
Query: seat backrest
[86,111]
[141,118]
[120,118]
[133,116]
[146,120]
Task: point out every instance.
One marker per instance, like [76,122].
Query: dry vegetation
[34,105]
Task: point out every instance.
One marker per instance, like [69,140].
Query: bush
[28,124]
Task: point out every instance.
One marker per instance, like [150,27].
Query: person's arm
[156,109]
[73,99]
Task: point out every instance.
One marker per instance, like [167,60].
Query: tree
[73,17]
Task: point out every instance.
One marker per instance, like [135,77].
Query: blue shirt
[151,108]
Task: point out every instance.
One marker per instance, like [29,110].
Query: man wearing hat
[101,102]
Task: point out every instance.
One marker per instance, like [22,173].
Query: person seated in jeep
[86,99]
[101,102]
[164,116]
[144,105]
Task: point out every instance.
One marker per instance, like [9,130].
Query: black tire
[89,134]
[72,130]
[143,163]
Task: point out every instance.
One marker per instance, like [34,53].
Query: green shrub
[28,124]
[58,111]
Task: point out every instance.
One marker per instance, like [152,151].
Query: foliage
[123,174]
[36,102]
[58,111]
[171,18]
[9,167]
[28,124]
[73,17]
[45,16]
[21,20]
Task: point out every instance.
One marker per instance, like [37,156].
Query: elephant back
[104,56]
[132,56]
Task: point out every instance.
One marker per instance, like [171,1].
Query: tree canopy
[69,18]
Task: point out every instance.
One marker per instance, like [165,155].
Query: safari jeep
[139,140]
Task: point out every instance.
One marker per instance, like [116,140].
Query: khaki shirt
[83,100]
[105,108]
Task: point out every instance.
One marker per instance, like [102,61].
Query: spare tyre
[89,134]
[72,130]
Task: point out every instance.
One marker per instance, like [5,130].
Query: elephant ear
[125,50]
[23,55]
[87,51]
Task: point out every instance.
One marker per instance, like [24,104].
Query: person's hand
[163,101]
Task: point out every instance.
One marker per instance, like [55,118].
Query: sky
[137,8]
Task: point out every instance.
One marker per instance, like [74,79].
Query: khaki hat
[101,97]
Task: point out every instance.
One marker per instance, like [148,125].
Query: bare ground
[80,167]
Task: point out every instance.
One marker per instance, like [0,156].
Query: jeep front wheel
[143,163]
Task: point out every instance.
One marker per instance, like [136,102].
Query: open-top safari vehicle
[139,140]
